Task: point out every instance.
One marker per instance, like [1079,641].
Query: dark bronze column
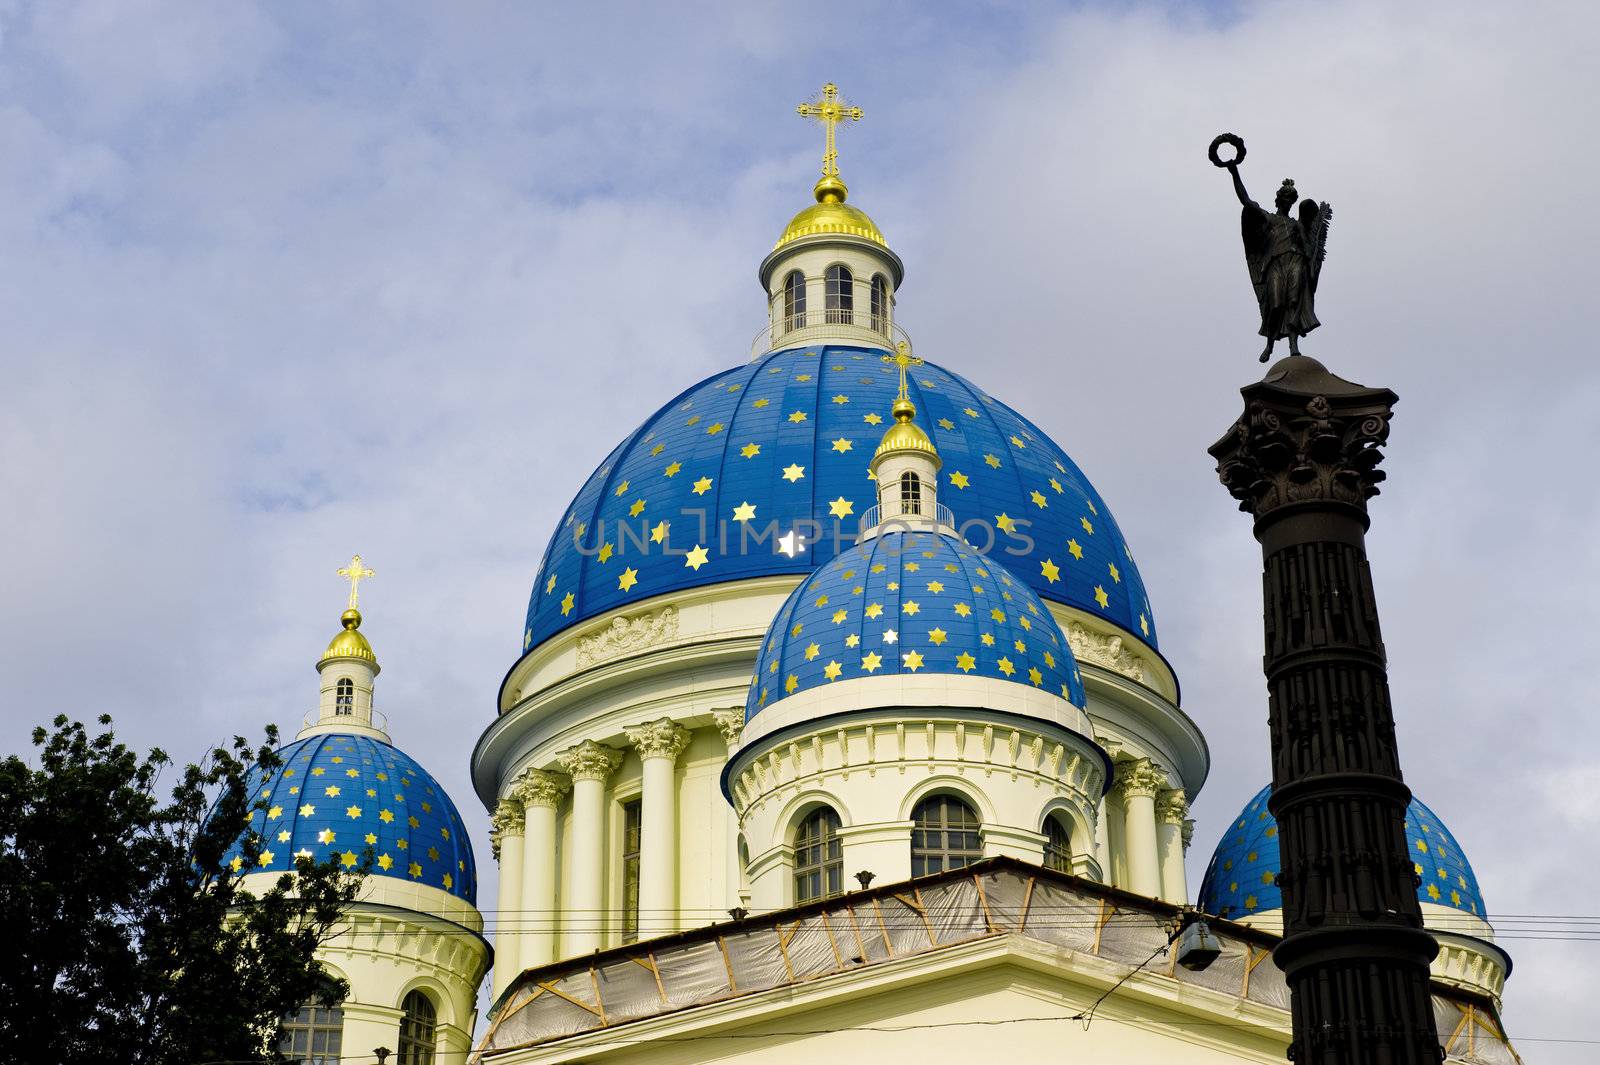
[1303,461]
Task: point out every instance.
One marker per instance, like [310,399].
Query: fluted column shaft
[540,793]
[659,743]
[1171,807]
[583,917]
[506,837]
[1303,461]
[731,724]
[1138,781]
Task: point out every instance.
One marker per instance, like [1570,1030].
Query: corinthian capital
[1138,779]
[730,723]
[1306,435]
[505,821]
[663,738]
[589,761]
[1172,807]
[535,787]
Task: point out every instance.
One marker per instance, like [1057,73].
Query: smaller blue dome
[1243,874]
[338,795]
[912,603]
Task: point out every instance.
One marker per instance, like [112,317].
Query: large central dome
[713,479]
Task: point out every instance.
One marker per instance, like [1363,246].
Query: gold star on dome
[911,660]
[841,398]
[266,858]
[274,813]
[842,445]
[987,639]
[750,450]
[1021,647]
[1075,550]
[629,578]
[872,419]
[1050,571]
[1056,485]
[385,862]
[1101,597]
[352,772]
[1087,527]
[946,423]
[352,811]
[791,684]
[997,614]
[840,615]
[797,416]
[637,508]
[550,585]
[1115,576]
[745,511]
[910,607]
[936,587]
[1005,521]
[812,651]
[566,604]
[694,420]
[1038,499]
[852,640]
[604,554]
[325,836]
[1005,666]
[415,870]
[317,771]
[963,610]
[696,558]
[793,472]
[659,533]
[969,412]
[874,610]
[1016,441]
[965,662]
[761,404]
[841,508]
[871,661]
[993,462]
[622,489]
[283,836]
[714,429]
[673,469]
[960,480]
[832,670]
[822,600]
[936,636]
[307,810]
[332,791]
[1035,676]
[702,486]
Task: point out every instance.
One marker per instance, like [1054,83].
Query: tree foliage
[128,938]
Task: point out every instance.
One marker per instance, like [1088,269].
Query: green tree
[127,938]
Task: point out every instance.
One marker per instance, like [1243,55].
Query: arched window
[344,697]
[840,295]
[794,301]
[417,1024]
[880,304]
[314,1035]
[1057,845]
[818,857]
[910,493]
[944,835]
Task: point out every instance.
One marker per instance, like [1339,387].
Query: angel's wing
[1316,218]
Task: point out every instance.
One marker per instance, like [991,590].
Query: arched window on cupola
[344,697]
[910,493]
[1057,845]
[418,1024]
[880,304]
[840,296]
[818,857]
[944,835]
[313,1035]
[794,301]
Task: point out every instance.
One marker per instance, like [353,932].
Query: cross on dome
[903,358]
[356,572]
[830,111]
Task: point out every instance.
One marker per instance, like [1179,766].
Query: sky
[283,282]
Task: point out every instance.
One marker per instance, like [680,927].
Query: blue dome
[1243,875]
[337,795]
[786,439]
[912,603]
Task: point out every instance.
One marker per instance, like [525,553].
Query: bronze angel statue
[1284,254]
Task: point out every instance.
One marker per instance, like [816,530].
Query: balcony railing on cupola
[849,325]
[879,519]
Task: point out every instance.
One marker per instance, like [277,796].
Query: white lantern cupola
[832,275]
[347,669]
[906,467]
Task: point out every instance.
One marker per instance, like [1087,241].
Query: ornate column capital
[536,787]
[662,738]
[589,761]
[1138,778]
[1306,435]
[506,820]
[1172,807]
[730,723]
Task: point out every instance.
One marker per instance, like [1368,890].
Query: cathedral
[838,725]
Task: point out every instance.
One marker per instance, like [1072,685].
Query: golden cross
[830,111]
[356,572]
[903,358]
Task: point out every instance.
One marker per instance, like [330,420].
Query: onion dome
[906,435]
[913,605]
[1242,878]
[710,483]
[349,643]
[338,796]
[831,216]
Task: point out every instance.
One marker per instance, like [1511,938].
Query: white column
[506,839]
[540,793]
[589,764]
[1102,839]
[1137,783]
[731,723]
[1171,808]
[659,743]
